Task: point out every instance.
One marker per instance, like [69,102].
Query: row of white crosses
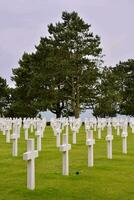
[117,123]
[91,123]
[29,124]
[8,125]
[58,126]
[89,126]
[39,126]
[62,125]
[75,125]
[17,123]
[14,125]
[35,125]
[121,124]
[65,147]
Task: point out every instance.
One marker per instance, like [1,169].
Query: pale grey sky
[23,22]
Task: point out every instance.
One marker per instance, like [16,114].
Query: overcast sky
[23,22]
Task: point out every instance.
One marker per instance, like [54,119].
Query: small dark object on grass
[77,173]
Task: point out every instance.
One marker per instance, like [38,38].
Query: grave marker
[30,156]
[90,142]
[65,147]
[109,139]
[14,138]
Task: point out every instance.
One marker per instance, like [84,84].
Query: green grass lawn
[107,180]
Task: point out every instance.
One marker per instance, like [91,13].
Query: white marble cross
[67,124]
[74,135]
[75,128]
[118,129]
[7,133]
[17,126]
[94,126]
[65,147]
[55,124]
[26,125]
[4,127]
[58,131]
[131,122]
[14,138]
[30,156]
[99,131]
[40,127]
[124,141]
[26,133]
[109,139]
[39,137]
[132,128]
[31,128]
[90,142]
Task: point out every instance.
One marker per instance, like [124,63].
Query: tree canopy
[108,96]
[124,72]
[61,75]
[4,96]
[65,75]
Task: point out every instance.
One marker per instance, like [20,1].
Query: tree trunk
[58,114]
[73,98]
[77,99]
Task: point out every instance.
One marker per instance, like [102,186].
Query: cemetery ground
[107,180]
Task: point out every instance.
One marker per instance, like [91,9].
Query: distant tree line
[66,76]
